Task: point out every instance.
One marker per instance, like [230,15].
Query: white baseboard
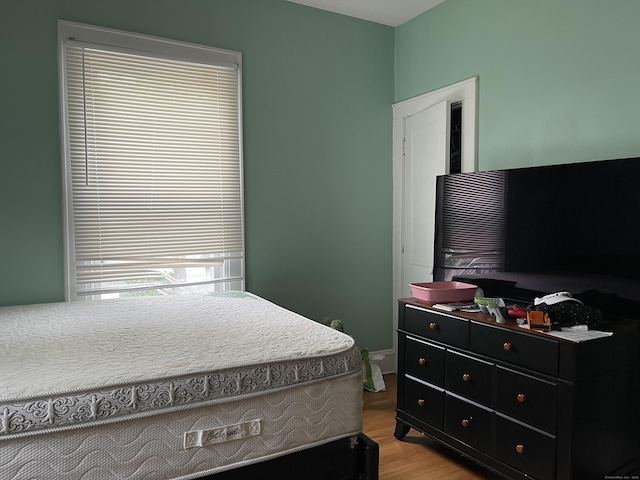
[387,363]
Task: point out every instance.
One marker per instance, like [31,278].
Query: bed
[178,387]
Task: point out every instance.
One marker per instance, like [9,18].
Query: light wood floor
[416,456]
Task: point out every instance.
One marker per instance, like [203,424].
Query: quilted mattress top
[164,350]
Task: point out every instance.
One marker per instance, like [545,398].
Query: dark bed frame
[339,460]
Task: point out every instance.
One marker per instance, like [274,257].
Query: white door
[412,132]
[426,155]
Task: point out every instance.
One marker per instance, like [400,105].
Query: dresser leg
[401,429]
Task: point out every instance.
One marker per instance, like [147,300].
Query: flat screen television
[524,232]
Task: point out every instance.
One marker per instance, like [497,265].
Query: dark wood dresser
[523,403]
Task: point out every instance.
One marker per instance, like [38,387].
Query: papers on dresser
[462,306]
[578,334]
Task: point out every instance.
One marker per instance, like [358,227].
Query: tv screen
[537,230]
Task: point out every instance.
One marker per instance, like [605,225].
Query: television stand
[522,403]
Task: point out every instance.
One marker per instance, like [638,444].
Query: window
[152,164]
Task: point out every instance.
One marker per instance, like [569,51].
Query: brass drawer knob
[465,422]
[520,448]
[422,361]
[507,346]
[521,397]
[466,377]
[421,402]
[433,325]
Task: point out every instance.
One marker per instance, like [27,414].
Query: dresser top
[607,330]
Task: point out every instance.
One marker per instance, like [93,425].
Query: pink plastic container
[443,292]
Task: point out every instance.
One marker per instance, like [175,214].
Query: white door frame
[465,92]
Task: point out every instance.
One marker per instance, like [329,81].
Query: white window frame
[141,44]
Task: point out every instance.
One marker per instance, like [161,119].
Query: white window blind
[153,170]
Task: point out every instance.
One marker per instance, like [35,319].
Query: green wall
[317,95]
[557,83]
[558,79]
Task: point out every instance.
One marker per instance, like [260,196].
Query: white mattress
[125,388]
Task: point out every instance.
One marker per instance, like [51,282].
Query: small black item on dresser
[567,314]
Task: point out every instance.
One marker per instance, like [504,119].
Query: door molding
[465,92]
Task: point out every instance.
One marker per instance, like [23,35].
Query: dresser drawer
[468,423]
[522,349]
[435,326]
[469,377]
[532,400]
[424,402]
[525,449]
[424,361]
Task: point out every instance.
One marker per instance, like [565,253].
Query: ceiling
[387,12]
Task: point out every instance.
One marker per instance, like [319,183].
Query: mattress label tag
[202,438]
